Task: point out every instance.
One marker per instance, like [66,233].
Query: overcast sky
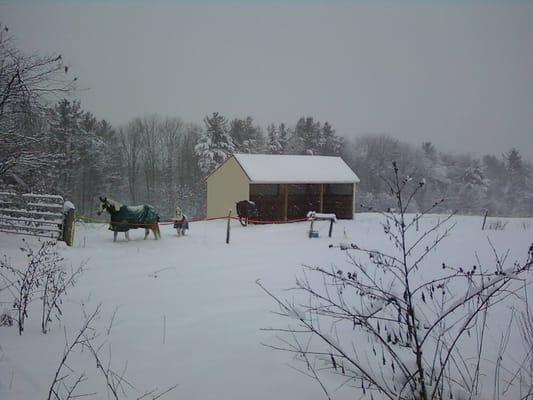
[456,73]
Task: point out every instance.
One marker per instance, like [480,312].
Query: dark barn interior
[277,202]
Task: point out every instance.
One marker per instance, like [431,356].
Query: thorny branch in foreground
[66,384]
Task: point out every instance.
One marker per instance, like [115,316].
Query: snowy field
[189,312]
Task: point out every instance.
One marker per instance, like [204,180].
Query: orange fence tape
[170,222]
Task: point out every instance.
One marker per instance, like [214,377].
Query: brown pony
[124,218]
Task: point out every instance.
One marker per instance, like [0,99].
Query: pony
[124,218]
[181,222]
[181,226]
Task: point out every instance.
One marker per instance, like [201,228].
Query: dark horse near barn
[245,210]
[124,218]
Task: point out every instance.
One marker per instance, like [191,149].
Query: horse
[124,218]
[245,210]
[181,222]
[181,226]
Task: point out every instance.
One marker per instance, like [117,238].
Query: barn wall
[302,198]
[339,199]
[226,186]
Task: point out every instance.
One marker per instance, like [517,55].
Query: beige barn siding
[226,186]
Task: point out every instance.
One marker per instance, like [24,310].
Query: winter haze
[458,74]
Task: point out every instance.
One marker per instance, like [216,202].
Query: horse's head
[109,205]
[103,205]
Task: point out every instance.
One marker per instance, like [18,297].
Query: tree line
[51,144]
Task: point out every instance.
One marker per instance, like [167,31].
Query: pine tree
[331,143]
[246,137]
[214,145]
[284,134]
[273,146]
[516,190]
[68,138]
[311,134]
[515,167]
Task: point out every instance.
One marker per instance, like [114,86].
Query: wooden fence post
[69,223]
[330,227]
[484,219]
[228,228]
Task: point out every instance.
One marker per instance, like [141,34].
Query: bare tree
[131,146]
[386,325]
[151,131]
[27,83]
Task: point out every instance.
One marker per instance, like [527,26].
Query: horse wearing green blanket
[124,218]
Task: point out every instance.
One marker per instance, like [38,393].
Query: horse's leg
[115,234]
[146,232]
[127,234]
[158,231]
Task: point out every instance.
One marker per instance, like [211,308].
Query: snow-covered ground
[190,312]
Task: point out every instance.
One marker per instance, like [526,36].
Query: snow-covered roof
[273,168]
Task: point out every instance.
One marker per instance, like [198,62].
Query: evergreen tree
[331,143]
[215,144]
[310,132]
[246,137]
[429,150]
[284,135]
[71,140]
[515,167]
[516,189]
[273,145]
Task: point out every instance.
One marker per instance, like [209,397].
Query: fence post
[484,219]
[228,228]
[330,227]
[311,227]
[69,212]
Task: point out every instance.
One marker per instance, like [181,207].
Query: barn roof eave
[227,159]
[265,182]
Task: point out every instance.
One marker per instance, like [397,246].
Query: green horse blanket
[132,217]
